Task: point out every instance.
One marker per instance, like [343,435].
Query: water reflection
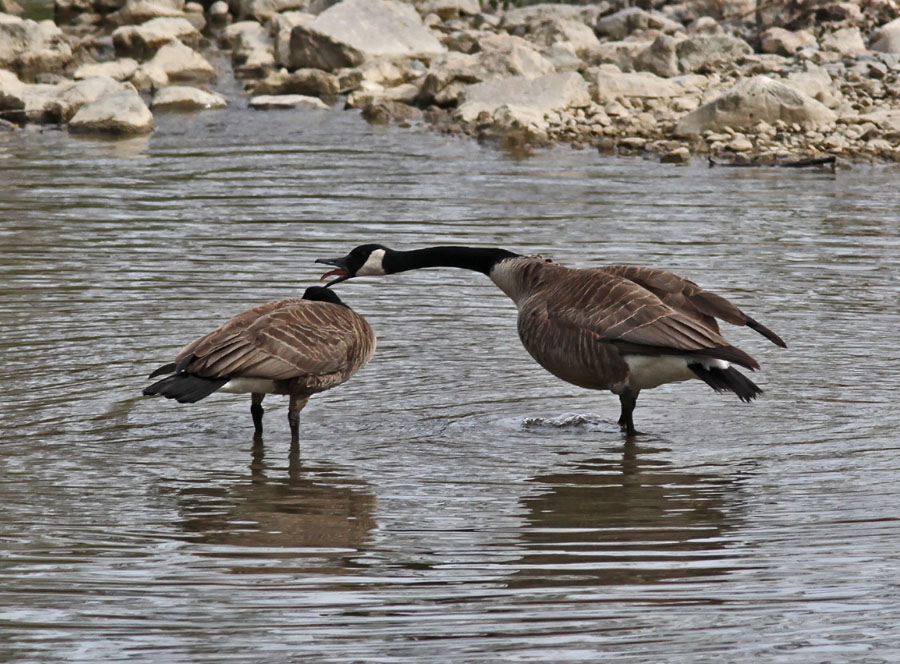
[312,519]
[630,520]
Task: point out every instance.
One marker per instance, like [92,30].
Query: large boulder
[122,112]
[281,27]
[702,53]
[142,41]
[846,42]
[887,38]
[659,58]
[621,24]
[527,99]
[182,63]
[353,31]
[501,56]
[610,84]
[71,97]
[755,100]
[252,49]
[30,48]
[120,70]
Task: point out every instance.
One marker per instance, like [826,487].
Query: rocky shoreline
[799,81]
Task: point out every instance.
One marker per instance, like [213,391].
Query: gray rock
[136,12]
[287,101]
[888,120]
[12,96]
[448,9]
[785,42]
[886,38]
[11,7]
[71,97]
[142,41]
[707,52]
[847,42]
[182,63]
[527,99]
[309,82]
[281,26]
[677,156]
[500,56]
[382,111]
[122,112]
[555,31]
[619,53]
[609,84]
[621,24]
[659,58]
[521,20]
[354,31]
[815,82]
[754,100]
[219,12]
[30,48]
[119,70]
[149,76]
[263,10]
[186,98]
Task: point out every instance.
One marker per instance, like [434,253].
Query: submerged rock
[287,101]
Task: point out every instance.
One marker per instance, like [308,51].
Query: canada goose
[618,328]
[297,346]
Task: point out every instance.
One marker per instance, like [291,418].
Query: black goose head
[322,294]
[364,260]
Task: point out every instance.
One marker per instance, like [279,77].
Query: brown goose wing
[687,297]
[283,340]
[612,309]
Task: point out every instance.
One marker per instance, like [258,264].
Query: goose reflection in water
[313,520]
[630,520]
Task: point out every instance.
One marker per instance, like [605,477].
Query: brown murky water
[453,502]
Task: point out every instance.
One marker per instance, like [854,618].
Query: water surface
[452,502]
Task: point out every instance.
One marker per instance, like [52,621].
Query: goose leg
[256,410]
[298,402]
[628,399]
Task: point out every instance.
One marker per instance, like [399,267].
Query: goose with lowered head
[619,328]
[296,346]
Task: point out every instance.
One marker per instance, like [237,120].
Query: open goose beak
[342,272]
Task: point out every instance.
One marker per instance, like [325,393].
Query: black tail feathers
[727,380]
[185,388]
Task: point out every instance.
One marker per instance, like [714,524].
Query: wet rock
[354,31]
[679,155]
[71,97]
[753,100]
[287,101]
[119,70]
[702,53]
[122,112]
[310,82]
[182,63]
[385,110]
[621,24]
[785,42]
[12,96]
[186,98]
[659,58]
[886,39]
[30,48]
[846,42]
[527,99]
[142,41]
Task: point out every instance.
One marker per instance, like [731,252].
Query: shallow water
[452,502]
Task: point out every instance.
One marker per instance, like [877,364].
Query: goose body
[296,347]
[618,328]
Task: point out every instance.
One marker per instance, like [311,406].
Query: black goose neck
[467,258]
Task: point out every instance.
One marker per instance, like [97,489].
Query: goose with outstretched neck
[620,328]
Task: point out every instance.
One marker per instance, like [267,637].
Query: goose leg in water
[628,398]
[298,402]
[256,410]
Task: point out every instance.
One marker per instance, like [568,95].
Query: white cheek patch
[373,265]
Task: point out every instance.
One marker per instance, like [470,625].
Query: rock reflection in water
[632,520]
[314,515]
